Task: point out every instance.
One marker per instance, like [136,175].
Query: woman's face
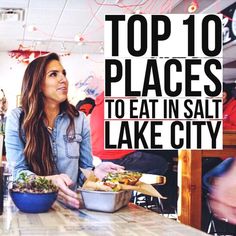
[55,84]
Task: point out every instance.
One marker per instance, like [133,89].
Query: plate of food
[107,195]
[113,191]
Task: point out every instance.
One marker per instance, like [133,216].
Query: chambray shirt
[69,154]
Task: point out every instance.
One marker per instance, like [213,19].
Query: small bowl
[33,202]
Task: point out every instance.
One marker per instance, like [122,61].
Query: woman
[47,136]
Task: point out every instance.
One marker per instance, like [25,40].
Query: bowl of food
[33,194]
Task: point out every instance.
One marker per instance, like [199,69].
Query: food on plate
[101,186]
[119,181]
[114,181]
[125,177]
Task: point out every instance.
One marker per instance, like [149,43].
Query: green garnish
[33,184]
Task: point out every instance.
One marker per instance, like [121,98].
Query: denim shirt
[69,154]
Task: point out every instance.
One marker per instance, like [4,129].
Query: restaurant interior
[74,29]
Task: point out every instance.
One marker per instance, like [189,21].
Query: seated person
[229,123]
[157,162]
[221,183]
[229,108]
[145,162]
[219,177]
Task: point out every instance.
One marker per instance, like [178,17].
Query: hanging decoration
[25,54]
[193,7]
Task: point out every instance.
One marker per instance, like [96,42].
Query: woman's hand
[105,167]
[65,194]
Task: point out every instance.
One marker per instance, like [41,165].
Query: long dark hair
[38,151]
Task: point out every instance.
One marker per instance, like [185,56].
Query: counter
[132,220]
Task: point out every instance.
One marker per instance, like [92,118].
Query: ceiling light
[31,28]
[79,38]
[85,57]
[193,6]
[12,14]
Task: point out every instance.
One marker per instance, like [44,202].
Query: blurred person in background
[141,161]
[229,123]
[220,176]
[229,108]
[158,162]
[222,197]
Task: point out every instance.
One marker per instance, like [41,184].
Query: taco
[126,177]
